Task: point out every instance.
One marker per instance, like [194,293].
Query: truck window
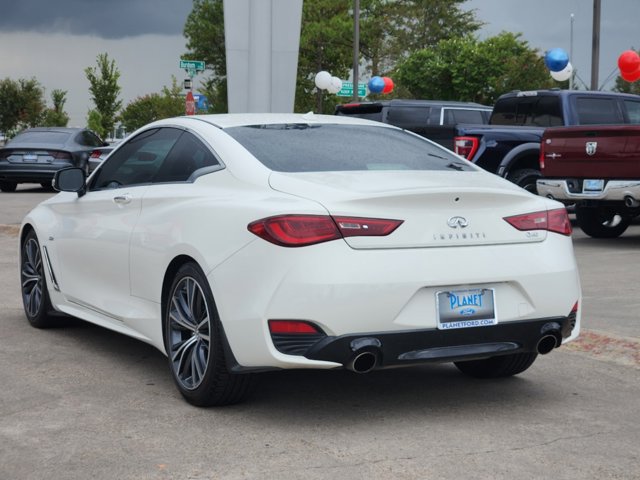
[633,111]
[406,116]
[597,111]
[459,115]
[512,111]
[547,112]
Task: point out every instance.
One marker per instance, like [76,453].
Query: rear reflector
[303,230]
[466,146]
[556,220]
[279,327]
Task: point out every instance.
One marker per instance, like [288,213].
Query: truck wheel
[600,222]
[525,178]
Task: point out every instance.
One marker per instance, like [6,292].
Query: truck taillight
[466,146]
[542,156]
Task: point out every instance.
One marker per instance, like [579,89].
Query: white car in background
[241,243]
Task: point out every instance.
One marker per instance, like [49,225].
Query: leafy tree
[148,108]
[94,122]
[470,70]
[104,90]
[56,116]
[21,104]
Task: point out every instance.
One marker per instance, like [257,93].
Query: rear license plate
[592,186]
[29,158]
[466,308]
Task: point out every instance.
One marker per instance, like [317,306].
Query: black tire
[35,296]
[525,178]
[8,186]
[194,343]
[46,186]
[496,367]
[601,222]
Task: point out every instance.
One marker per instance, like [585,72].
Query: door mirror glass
[70,180]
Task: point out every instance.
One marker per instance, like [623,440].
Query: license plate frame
[30,158]
[592,185]
[466,308]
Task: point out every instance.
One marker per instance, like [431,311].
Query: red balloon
[388,85]
[628,61]
[631,77]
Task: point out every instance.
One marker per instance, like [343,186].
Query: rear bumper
[421,346]
[570,190]
[30,174]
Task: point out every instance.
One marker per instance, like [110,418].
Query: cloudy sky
[55,40]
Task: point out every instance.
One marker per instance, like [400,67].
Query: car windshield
[329,148]
[42,137]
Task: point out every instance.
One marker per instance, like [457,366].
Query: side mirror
[70,180]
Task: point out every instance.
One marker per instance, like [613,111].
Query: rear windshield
[538,111]
[332,148]
[58,138]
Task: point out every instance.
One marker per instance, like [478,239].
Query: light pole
[571,54]
[595,45]
[356,47]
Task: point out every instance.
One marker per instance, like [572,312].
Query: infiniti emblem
[591,147]
[455,222]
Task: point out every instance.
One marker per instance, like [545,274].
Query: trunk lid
[437,208]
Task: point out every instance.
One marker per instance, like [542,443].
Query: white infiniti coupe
[241,243]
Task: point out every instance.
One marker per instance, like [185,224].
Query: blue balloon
[376,84]
[556,59]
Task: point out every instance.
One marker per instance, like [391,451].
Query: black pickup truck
[509,145]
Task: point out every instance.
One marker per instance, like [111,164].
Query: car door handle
[122,199]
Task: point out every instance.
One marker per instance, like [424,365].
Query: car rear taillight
[556,220]
[303,230]
[465,146]
[96,154]
[60,155]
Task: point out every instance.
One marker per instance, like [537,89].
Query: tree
[104,90]
[94,122]
[21,104]
[56,116]
[466,69]
[148,108]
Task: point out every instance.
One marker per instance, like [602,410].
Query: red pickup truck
[597,168]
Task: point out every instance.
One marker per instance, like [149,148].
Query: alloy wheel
[32,277]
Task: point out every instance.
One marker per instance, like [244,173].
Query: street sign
[190,104]
[347,90]
[197,65]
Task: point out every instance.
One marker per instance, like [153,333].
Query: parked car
[433,119]
[242,243]
[597,168]
[98,155]
[35,154]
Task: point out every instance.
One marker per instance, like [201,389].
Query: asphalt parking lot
[81,402]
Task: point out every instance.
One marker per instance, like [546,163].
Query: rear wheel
[601,222]
[495,367]
[194,344]
[8,186]
[525,178]
[35,297]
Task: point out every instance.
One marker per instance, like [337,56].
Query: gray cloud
[110,19]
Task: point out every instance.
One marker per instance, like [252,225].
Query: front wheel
[525,178]
[35,297]
[601,222]
[194,344]
[496,367]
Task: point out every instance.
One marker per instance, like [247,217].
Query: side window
[597,111]
[408,116]
[138,161]
[188,155]
[547,112]
[459,115]
[633,111]
[89,139]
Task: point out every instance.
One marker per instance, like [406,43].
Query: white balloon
[335,86]
[323,80]
[564,74]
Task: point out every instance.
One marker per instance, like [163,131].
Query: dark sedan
[35,154]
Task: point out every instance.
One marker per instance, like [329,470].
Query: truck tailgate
[594,151]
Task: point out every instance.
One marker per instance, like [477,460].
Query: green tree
[466,69]
[105,90]
[21,104]
[56,116]
[94,122]
[155,106]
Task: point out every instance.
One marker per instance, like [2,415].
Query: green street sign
[347,90]
[197,65]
